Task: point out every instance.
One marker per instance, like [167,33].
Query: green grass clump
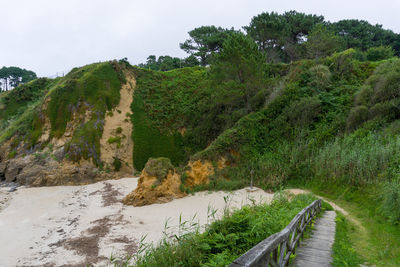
[344,253]
[116,140]
[226,239]
[391,200]
[158,167]
[117,164]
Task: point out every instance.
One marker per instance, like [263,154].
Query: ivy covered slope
[17,107]
[47,122]
[173,114]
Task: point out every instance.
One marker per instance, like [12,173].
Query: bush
[379,53]
[357,117]
[117,164]
[115,139]
[303,112]
[158,167]
[320,77]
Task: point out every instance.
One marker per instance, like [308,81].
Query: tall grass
[357,160]
[226,239]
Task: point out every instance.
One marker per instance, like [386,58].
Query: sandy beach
[76,225]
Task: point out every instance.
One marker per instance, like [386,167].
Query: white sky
[49,36]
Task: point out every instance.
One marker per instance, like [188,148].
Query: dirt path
[76,225]
[334,206]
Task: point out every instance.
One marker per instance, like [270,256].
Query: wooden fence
[276,250]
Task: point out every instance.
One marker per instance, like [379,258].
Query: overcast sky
[50,36]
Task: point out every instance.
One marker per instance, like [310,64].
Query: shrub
[391,200]
[357,116]
[117,164]
[115,139]
[158,167]
[303,112]
[379,53]
[320,77]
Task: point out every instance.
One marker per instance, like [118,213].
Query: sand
[75,225]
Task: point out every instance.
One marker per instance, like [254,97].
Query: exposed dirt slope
[116,142]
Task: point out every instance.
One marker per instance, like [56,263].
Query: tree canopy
[238,70]
[363,35]
[165,63]
[321,42]
[279,35]
[204,41]
[12,76]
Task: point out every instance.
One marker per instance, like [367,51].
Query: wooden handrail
[276,249]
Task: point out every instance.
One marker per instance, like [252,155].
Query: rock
[158,183]
[13,188]
[29,174]
[70,173]
[198,172]
[59,154]
[3,167]
[15,166]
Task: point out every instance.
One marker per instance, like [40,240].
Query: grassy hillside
[332,126]
[80,100]
[18,110]
[170,114]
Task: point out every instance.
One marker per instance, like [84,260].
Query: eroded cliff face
[47,163]
[116,144]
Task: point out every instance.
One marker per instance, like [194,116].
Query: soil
[119,125]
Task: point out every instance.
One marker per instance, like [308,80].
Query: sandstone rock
[199,171]
[156,185]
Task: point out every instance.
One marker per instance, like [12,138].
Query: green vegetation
[165,63]
[81,98]
[159,167]
[117,164]
[89,91]
[343,251]
[93,86]
[374,238]
[116,140]
[11,77]
[295,101]
[226,239]
[165,104]
[19,109]
[204,41]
